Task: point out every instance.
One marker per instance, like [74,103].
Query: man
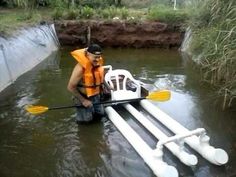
[86,81]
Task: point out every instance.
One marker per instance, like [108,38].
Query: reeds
[214,38]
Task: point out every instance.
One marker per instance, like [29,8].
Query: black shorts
[89,114]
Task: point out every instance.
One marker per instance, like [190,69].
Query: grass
[167,14]
[214,39]
[13,19]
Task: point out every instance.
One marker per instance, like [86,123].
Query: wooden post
[88,35]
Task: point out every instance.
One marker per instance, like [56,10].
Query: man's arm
[75,78]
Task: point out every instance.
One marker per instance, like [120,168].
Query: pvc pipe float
[200,144]
[153,158]
[177,150]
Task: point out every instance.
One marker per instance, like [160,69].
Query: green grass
[13,19]
[214,39]
[167,14]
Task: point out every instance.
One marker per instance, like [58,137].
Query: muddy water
[51,144]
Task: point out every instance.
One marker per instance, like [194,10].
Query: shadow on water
[52,144]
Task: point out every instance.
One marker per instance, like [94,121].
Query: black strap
[89,86]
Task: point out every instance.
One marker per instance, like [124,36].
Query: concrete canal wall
[25,50]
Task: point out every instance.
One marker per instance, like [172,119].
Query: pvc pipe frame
[200,144]
[198,131]
[177,150]
[153,158]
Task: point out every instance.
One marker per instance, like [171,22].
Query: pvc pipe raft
[216,156]
[153,158]
[177,150]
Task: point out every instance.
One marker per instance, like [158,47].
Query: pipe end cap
[192,160]
[221,157]
[169,171]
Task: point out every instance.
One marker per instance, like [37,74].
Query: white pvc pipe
[198,131]
[153,158]
[216,156]
[177,150]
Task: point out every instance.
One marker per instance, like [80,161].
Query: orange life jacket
[93,76]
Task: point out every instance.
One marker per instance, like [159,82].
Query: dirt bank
[120,34]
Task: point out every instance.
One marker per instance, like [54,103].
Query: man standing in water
[86,81]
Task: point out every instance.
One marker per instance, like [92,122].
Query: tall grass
[214,39]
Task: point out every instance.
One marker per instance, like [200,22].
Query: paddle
[161,95]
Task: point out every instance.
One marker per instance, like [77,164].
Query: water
[51,144]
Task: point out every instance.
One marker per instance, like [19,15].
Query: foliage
[86,12]
[59,3]
[137,3]
[214,39]
[27,15]
[71,14]
[97,3]
[17,19]
[57,13]
[180,4]
[167,14]
[111,12]
[106,9]
[27,4]
[90,3]
[123,13]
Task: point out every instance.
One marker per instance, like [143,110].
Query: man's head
[94,53]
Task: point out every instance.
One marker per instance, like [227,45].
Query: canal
[53,145]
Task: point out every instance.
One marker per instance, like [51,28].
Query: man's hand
[87,103]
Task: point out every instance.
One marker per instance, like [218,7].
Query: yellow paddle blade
[161,95]
[36,109]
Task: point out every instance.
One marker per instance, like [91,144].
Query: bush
[71,14]
[86,12]
[57,13]
[109,13]
[123,13]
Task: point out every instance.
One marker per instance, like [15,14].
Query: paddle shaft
[105,102]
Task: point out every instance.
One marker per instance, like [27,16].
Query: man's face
[94,59]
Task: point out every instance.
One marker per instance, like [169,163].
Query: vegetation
[87,12]
[12,20]
[29,12]
[213,25]
[167,14]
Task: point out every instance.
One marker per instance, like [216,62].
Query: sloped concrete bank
[22,52]
[120,33]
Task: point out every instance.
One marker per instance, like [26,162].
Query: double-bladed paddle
[161,95]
